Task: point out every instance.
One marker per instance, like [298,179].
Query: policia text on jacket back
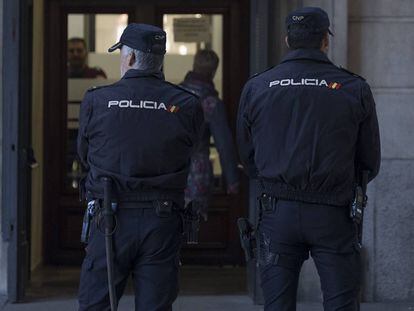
[139,133]
[306,130]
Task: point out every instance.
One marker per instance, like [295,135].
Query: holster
[90,212]
[357,206]
[247,238]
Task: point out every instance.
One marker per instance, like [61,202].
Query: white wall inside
[76,25]
[180,55]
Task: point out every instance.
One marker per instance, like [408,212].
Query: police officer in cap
[140,132]
[306,129]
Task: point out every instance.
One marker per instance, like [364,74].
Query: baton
[109,227]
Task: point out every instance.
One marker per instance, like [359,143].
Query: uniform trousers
[288,232]
[146,246]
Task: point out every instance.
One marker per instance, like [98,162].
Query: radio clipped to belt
[359,203]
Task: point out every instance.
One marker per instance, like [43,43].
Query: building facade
[373,38]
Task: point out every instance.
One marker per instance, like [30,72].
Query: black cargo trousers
[288,232]
[146,245]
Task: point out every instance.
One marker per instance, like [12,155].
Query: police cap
[142,37]
[314,20]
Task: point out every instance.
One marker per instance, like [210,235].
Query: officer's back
[312,108]
[306,115]
[133,129]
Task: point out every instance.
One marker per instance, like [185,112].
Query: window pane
[186,34]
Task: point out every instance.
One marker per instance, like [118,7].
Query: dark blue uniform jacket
[306,127]
[141,131]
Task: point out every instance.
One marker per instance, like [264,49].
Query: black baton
[109,230]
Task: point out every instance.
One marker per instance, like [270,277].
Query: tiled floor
[196,303]
[62,282]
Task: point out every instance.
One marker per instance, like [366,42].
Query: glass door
[188,33]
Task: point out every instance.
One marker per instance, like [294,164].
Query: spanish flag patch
[334,85]
[173,109]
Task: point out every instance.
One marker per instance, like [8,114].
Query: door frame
[56,91]
[16,115]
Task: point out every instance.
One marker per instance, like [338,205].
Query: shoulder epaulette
[183,89]
[351,73]
[94,88]
[259,73]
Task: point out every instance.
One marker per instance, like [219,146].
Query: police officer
[139,132]
[306,129]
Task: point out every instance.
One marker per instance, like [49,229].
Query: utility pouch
[163,208]
[266,203]
[247,238]
[87,219]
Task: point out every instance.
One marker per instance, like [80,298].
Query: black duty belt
[143,196]
[282,191]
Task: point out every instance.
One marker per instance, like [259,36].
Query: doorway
[73,25]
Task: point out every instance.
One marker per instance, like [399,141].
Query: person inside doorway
[200,178]
[78,61]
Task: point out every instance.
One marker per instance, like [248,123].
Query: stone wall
[381,49]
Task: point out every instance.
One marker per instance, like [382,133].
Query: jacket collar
[306,54]
[136,73]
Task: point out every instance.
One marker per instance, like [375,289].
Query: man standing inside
[306,130]
[140,132]
[78,61]
[200,178]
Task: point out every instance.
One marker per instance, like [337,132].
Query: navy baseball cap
[314,19]
[143,37]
